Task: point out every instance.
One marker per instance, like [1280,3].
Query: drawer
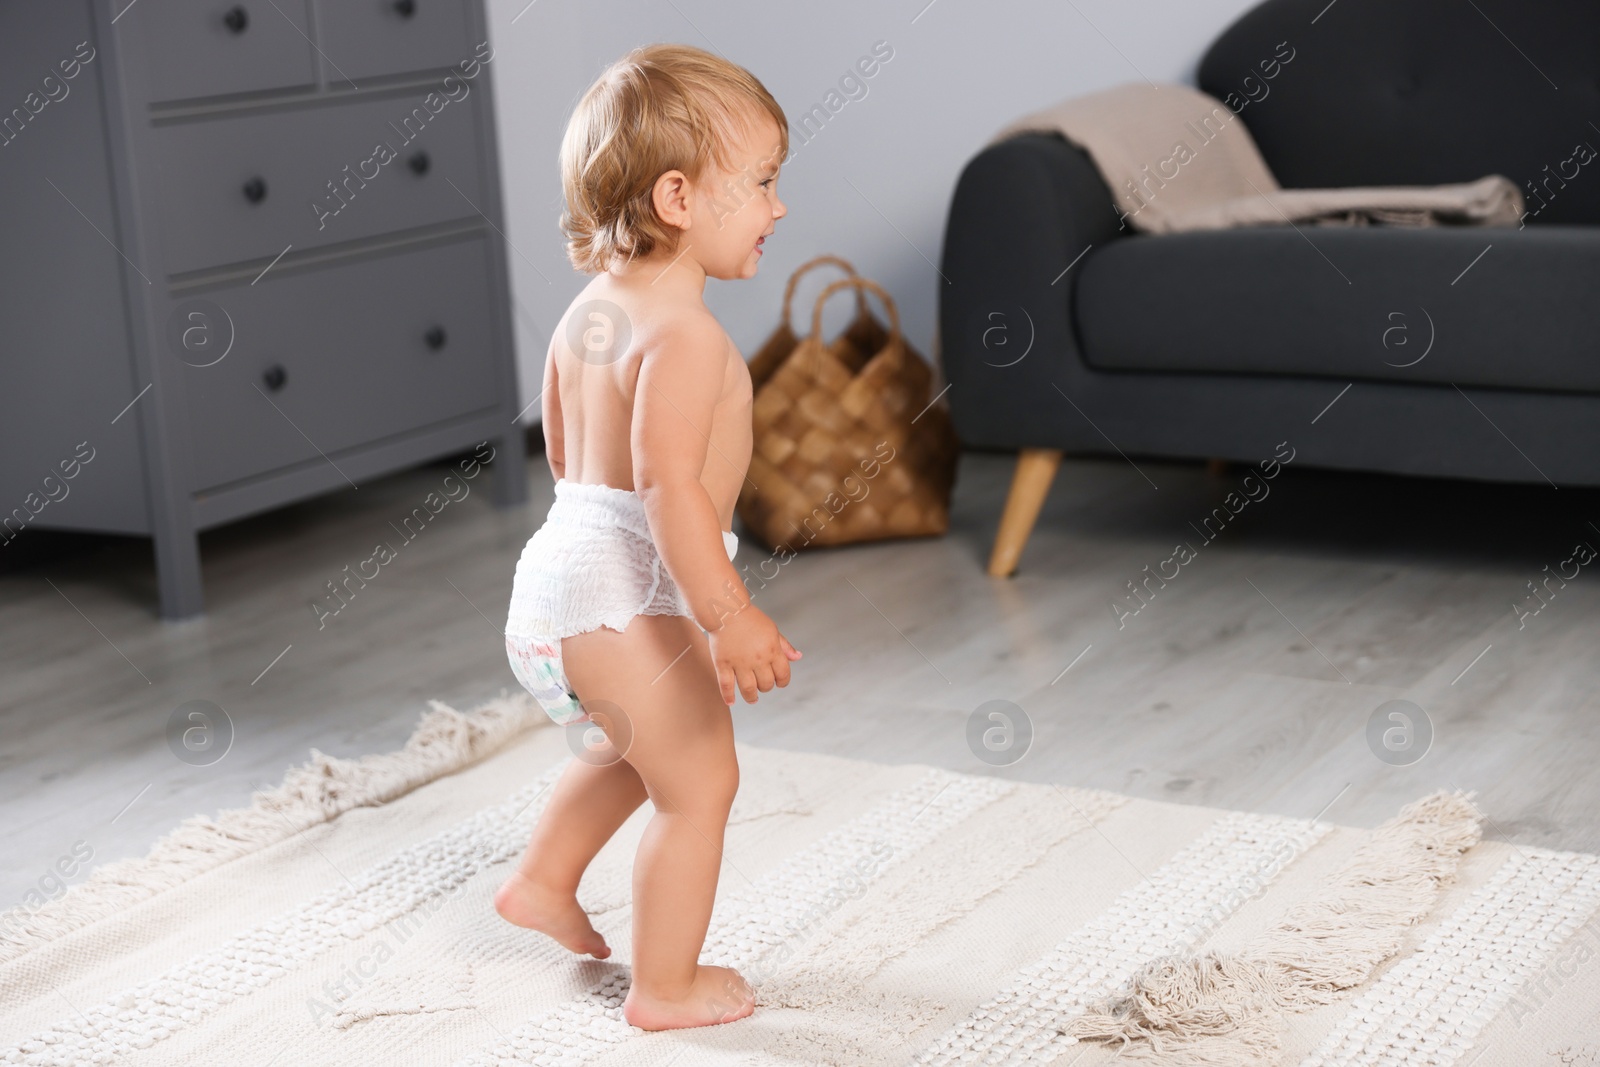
[210,48]
[364,38]
[244,187]
[335,358]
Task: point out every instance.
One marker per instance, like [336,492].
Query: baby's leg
[586,806]
[681,744]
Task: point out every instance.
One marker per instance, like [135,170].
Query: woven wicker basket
[847,445]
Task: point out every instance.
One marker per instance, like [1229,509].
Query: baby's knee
[708,791]
[725,783]
[716,788]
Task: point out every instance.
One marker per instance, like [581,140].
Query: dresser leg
[510,469]
[178,575]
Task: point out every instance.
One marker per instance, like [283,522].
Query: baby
[627,611]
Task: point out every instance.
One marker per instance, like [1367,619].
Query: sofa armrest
[1023,211]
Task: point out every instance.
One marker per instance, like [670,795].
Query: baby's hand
[749,652]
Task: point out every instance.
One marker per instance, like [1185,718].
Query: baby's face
[736,209]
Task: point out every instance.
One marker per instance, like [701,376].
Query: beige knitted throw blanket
[1177,159]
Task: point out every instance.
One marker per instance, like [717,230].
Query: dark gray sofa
[1458,352]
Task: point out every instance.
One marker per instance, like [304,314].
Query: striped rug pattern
[886,914]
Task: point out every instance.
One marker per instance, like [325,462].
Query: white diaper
[592,564]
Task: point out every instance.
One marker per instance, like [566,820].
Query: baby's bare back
[598,349]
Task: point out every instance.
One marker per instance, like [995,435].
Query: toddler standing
[626,609]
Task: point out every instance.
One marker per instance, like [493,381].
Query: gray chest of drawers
[253,252]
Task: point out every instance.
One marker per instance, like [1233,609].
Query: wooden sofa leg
[1036,469]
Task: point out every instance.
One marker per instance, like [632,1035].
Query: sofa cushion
[1380,303]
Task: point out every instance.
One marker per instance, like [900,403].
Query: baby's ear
[670,197]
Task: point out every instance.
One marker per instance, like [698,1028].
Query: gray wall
[874,184]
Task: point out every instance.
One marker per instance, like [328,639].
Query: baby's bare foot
[526,903]
[718,995]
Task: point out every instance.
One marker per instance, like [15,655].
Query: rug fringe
[445,740]
[1225,1009]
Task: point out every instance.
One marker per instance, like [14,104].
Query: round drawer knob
[419,163]
[275,377]
[435,337]
[406,8]
[255,190]
[236,19]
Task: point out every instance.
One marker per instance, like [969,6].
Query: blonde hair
[660,107]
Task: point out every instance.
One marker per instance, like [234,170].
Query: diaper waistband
[595,506]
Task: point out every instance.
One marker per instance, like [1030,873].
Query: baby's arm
[555,448]
[680,381]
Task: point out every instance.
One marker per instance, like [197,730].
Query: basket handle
[794,282]
[862,286]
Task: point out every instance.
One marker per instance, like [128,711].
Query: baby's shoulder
[677,322]
[677,332]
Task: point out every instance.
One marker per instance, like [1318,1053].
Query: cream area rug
[886,915]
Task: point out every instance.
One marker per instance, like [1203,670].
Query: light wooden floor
[1219,692]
